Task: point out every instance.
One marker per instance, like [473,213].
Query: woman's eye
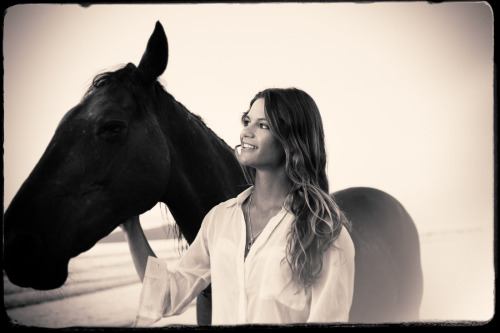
[264,126]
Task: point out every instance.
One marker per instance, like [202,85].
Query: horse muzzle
[26,266]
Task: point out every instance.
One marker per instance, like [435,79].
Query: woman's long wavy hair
[295,121]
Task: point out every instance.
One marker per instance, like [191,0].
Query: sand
[114,307]
[458,287]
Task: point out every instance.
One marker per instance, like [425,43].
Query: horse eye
[112,130]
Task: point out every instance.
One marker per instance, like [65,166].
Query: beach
[457,265]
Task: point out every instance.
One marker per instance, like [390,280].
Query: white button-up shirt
[257,289]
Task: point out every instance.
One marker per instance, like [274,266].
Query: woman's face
[259,147]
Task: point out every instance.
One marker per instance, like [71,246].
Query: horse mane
[128,77]
[125,76]
[194,119]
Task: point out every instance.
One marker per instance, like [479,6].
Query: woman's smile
[245,145]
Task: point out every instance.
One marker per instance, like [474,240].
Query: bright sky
[405,88]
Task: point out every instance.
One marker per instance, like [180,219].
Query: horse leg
[204,307]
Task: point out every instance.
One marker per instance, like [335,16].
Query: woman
[280,251]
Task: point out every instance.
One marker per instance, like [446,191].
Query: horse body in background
[129,145]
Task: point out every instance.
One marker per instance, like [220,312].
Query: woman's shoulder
[229,204]
[225,204]
[344,241]
[236,201]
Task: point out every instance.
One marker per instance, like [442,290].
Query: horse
[128,144]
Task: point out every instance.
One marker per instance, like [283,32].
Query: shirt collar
[240,199]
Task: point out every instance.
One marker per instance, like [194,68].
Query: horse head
[108,160]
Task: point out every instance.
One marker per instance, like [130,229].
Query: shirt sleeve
[332,293]
[167,292]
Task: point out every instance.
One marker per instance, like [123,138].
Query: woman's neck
[271,189]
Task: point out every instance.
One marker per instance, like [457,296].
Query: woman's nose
[246,132]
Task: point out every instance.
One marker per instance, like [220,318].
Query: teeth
[248,146]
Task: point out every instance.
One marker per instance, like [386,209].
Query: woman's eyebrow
[258,119]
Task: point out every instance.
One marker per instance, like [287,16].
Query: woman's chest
[264,275]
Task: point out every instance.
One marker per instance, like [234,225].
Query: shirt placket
[261,240]
[241,272]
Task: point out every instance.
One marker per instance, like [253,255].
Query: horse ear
[154,60]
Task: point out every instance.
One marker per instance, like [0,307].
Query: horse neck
[204,171]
